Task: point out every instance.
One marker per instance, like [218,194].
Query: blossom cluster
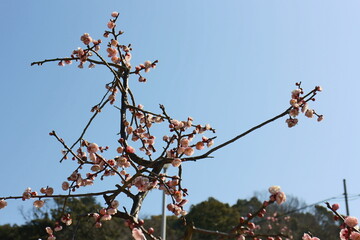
[299,103]
[247,228]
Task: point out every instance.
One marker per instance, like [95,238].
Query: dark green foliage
[210,214]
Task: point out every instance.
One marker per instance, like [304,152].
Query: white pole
[163,222]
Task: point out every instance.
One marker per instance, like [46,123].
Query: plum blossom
[58,228]
[309,113]
[308,237]
[39,203]
[112,52]
[291,122]
[50,232]
[142,183]
[274,189]
[189,151]
[106,217]
[344,234]
[112,211]
[111,25]
[114,14]
[27,194]
[280,197]
[277,195]
[3,203]
[147,66]
[335,206]
[199,145]
[66,219]
[92,148]
[294,112]
[241,237]
[86,39]
[355,236]
[138,234]
[129,149]
[351,221]
[176,162]
[115,204]
[184,142]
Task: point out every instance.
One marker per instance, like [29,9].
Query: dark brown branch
[63,196]
[205,155]
[69,58]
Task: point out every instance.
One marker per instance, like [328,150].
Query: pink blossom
[335,206]
[344,234]
[128,56]
[291,122]
[115,59]
[189,151]
[120,149]
[309,113]
[241,237]
[98,224]
[355,236]
[184,142]
[49,191]
[92,148]
[114,14]
[294,112]
[3,203]
[178,196]
[115,204]
[176,162]
[199,145]
[112,52]
[138,234]
[66,219]
[295,93]
[147,66]
[122,161]
[112,211]
[142,183]
[114,42]
[111,25]
[26,194]
[280,197]
[308,237]
[38,203]
[320,118]
[95,168]
[351,221]
[130,149]
[58,228]
[210,143]
[294,103]
[105,217]
[319,88]
[304,107]
[180,150]
[86,39]
[49,230]
[274,189]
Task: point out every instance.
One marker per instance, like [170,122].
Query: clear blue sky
[229,63]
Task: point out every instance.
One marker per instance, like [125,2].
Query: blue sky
[229,63]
